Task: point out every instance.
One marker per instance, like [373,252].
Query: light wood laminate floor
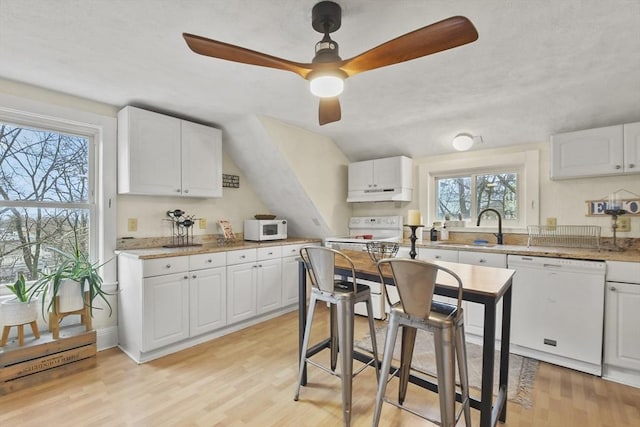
[248,379]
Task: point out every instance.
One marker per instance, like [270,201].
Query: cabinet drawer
[243,255]
[438,254]
[161,266]
[211,260]
[619,271]
[293,250]
[270,252]
[483,258]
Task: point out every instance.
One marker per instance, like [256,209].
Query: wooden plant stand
[7,328]
[55,317]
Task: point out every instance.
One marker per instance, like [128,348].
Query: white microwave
[265,229]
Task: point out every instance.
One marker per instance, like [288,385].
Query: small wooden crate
[44,359]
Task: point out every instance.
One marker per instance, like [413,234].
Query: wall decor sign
[230,181]
[598,207]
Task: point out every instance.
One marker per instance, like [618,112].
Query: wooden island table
[483,285]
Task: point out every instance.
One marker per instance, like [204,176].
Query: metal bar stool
[342,296]
[415,281]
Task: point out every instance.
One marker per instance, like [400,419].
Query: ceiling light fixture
[462,142]
[326,85]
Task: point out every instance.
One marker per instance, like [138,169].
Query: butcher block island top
[475,278]
[161,252]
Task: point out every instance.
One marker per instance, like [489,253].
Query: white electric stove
[361,231]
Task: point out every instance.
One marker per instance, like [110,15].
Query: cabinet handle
[631,165]
[168,266]
[482,261]
[178,190]
[260,265]
[243,256]
[613,288]
[194,277]
[186,191]
[209,261]
[618,167]
[437,257]
[185,277]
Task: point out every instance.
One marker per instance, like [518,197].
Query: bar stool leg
[333,334]
[445,365]
[305,343]
[463,372]
[345,327]
[372,332]
[406,354]
[389,344]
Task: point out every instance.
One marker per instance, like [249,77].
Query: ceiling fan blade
[329,110]
[449,33]
[229,52]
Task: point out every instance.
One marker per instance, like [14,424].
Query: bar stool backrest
[320,263]
[415,281]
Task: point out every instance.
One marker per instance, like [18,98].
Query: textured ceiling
[538,67]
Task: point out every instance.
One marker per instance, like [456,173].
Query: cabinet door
[590,152]
[290,280]
[148,153]
[241,292]
[632,147]
[208,300]
[201,160]
[622,317]
[269,285]
[474,312]
[361,176]
[165,309]
[387,173]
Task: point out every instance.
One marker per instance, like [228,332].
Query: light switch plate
[202,223]
[552,221]
[132,224]
[624,224]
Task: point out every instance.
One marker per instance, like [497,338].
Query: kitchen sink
[466,245]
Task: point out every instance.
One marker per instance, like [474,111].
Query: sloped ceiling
[539,67]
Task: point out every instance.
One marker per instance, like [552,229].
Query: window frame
[101,130]
[525,162]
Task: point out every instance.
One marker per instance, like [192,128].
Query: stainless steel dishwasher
[558,311]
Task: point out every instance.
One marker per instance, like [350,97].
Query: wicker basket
[381,250]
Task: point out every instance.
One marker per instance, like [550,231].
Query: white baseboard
[107,337]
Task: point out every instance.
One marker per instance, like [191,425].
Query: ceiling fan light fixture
[326,86]
[462,142]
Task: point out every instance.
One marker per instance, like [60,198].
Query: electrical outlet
[202,223]
[624,224]
[552,221]
[132,224]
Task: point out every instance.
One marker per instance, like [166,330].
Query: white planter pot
[14,312]
[71,296]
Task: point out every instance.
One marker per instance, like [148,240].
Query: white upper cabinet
[165,156]
[610,150]
[388,179]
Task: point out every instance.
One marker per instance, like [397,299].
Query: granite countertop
[161,252]
[631,254]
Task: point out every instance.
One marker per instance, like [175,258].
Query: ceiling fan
[327,71]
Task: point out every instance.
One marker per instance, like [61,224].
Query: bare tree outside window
[44,197]
[464,196]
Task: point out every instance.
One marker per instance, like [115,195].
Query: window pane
[498,191]
[27,234]
[453,198]
[38,165]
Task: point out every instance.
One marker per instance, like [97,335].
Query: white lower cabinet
[253,287]
[290,265]
[165,318]
[208,294]
[622,317]
[474,312]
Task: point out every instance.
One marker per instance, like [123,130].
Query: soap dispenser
[433,233]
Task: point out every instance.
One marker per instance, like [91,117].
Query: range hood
[381,180]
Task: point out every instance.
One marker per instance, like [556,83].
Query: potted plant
[21,309]
[74,275]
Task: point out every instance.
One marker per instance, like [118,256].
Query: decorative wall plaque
[230,181]
[598,207]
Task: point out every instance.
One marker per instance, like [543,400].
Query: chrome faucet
[499,234]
